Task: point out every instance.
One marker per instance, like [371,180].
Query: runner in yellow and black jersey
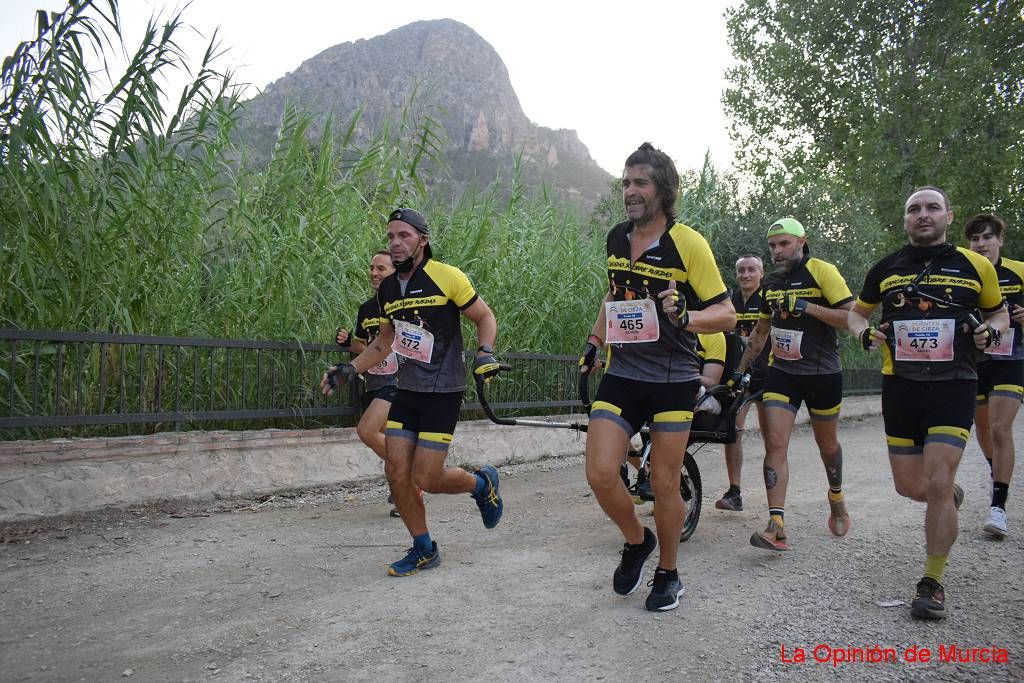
[664,288]
[379,383]
[929,383]
[802,303]
[1001,373]
[422,305]
[746,299]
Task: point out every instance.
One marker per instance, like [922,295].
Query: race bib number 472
[412,341]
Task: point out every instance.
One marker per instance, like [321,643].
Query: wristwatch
[484,348]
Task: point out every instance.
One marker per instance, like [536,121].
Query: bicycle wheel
[692,491]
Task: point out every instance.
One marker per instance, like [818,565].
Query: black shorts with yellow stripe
[918,413]
[1003,378]
[823,394]
[630,403]
[427,418]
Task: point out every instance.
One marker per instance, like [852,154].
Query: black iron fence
[90,384]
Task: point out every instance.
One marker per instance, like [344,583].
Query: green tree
[864,99]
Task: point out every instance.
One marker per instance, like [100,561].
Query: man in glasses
[663,288]
[803,301]
[422,304]
[928,337]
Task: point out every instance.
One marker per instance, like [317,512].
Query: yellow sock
[935,566]
[777,519]
[834,496]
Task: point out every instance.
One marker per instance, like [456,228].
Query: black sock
[999,491]
[733,489]
[670,573]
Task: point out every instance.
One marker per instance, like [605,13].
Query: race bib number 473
[924,340]
[412,341]
[631,322]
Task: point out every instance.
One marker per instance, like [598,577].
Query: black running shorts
[1003,378]
[918,413]
[823,394]
[667,407]
[427,418]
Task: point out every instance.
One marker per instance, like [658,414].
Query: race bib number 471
[631,322]
[924,340]
[412,341]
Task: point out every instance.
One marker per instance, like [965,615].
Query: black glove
[341,374]
[486,367]
[796,305]
[589,357]
[867,338]
[736,378]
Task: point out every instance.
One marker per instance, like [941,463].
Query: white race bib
[924,340]
[1003,347]
[631,322]
[388,366]
[412,341]
[786,343]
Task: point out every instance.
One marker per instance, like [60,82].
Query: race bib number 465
[924,340]
[412,341]
[631,322]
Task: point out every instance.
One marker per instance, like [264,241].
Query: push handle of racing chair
[482,396]
[584,391]
[481,392]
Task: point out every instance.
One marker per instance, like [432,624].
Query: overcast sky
[618,74]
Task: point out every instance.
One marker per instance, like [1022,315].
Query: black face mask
[405,265]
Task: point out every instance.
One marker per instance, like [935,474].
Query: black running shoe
[730,500]
[930,601]
[665,592]
[630,572]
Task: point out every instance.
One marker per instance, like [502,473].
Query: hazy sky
[617,74]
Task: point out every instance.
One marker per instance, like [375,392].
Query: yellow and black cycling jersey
[747,313]
[368,321]
[919,328]
[711,348]
[1011,285]
[432,299]
[683,255]
[800,343]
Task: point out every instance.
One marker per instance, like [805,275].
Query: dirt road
[295,588]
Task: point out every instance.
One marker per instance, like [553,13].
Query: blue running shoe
[488,499]
[416,560]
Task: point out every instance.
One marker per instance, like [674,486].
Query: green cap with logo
[786,226]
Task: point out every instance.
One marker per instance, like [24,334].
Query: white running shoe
[996,525]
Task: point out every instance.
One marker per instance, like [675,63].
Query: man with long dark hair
[663,288]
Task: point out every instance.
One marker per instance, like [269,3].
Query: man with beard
[929,378]
[802,303]
[421,304]
[663,288]
[1001,373]
[746,299]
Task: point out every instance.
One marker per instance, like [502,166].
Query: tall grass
[122,214]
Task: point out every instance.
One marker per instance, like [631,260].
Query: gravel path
[295,588]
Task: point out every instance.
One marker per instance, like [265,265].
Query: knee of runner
[940,486]
[366,433]
[665,486]
[601,481]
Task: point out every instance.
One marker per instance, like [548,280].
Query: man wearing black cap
[803,302]
[421,304]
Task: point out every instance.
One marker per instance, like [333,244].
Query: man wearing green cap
[803,302]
